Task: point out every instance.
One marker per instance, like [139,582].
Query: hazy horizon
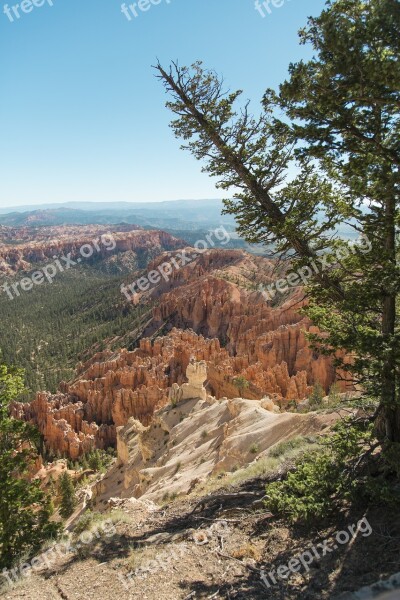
[26,207]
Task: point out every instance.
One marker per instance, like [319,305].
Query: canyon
[210,310]
[194,437]
[22,249]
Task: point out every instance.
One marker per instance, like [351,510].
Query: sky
[82,116]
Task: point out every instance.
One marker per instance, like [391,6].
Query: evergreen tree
[25,509]
[317,395]
[333,159]
[345,105]
[94,460]
[67,492]
[241,383]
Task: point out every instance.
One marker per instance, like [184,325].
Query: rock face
[215,296]
[187,442]
[196,373]
[62,422]
[221,333]
[49,243]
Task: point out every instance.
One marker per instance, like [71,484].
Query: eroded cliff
[210,310]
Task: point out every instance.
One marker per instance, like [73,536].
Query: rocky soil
[216,546]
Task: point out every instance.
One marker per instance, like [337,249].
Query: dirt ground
[219,547]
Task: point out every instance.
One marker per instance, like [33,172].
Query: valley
[76,312]
[210,309]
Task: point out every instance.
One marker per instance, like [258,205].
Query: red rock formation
[254,332]
[57,241]
[214,298]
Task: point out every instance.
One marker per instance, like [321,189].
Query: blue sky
[82,117]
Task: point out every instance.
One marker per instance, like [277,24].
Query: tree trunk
[389,422]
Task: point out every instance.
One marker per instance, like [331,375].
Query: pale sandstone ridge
[215,315]
[193,437]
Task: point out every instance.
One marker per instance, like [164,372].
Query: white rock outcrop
[196,374]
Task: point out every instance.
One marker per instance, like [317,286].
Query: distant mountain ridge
[95,206]
[180,215]
[187,219]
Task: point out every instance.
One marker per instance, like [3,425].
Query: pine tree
[317,395]
[241,383]
[94,460]
[345,106]
[67,492]
[25,509]
[333,159]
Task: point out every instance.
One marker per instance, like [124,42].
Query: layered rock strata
[213,312]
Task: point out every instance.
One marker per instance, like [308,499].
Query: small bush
[334,395]
[287,445]
[84,523]
[241,383]
[325,480]
[254,449]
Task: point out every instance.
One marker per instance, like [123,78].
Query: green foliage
[84,522]
[292,405]
[80,313]
[67,493]
[345,110]
[282,448]
[323,481]
[254,449]
[99,460]
[92,520]
[334,395]
[96,460]
[392,458]
[317,396]
[25,510]
[241,383]
[340,134]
